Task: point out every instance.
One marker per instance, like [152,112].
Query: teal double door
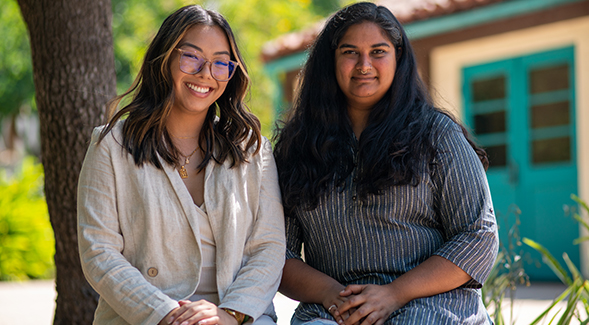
[522,111]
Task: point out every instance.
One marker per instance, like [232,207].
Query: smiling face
[365,65]
[194,93]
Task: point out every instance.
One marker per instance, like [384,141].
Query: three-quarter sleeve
[464,205]
[258,279]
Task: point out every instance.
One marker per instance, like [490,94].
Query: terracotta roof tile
[406,11]
[290,43]
[412,10]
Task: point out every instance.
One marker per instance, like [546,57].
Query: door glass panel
[551,150]
[490,116]
[497,155]
[488,89]
[550,115]
[549,79]
[489,123]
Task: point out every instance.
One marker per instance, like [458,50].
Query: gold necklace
[182,171]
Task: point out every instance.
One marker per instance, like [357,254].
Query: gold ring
[330,308]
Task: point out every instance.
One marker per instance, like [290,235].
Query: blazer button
[152,272]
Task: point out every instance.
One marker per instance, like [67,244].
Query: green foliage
[134,25]
[16,76]
[326,7]
[577,286]
[255,22]
[507,273]
[26,236]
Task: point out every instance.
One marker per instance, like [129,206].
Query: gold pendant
[183,173]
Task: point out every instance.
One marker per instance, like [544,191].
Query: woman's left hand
[374,303]
[201,312]
[369,304]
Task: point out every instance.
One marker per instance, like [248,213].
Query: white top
[207,287]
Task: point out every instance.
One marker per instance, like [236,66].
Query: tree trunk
[74,75]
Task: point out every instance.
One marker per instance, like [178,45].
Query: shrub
[27,244]
[577,292]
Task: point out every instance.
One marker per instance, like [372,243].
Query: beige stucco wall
[448,61]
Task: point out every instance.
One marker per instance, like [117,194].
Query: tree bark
[74,75]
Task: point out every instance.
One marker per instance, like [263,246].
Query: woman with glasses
[179,211]
[387,193]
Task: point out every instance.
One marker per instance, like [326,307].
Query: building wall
[448,61]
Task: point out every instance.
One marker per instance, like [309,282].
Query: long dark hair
[314,147]
[144,132]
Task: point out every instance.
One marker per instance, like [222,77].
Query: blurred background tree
[16,76]
[256,22]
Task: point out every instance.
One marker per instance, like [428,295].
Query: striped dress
[374,241]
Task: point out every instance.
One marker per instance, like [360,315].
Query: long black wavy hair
[314,147]
[144,131]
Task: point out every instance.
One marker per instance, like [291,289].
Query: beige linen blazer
[139,240]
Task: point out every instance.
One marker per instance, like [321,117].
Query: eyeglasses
[192,63]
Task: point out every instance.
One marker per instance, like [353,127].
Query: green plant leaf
[550,261]
[554,302]
[580,202]
[581,239]
[569,312]
[574,271]
[578,277]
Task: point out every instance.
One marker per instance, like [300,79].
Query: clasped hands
[364,304]
[200,312]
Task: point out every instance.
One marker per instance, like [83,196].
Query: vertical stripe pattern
[449,213]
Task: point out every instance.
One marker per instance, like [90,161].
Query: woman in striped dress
[387,193]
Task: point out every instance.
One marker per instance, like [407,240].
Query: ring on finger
[332,307]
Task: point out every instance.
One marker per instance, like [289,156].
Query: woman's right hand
[371,304]
[333,297]
[198,312]
[169,317]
